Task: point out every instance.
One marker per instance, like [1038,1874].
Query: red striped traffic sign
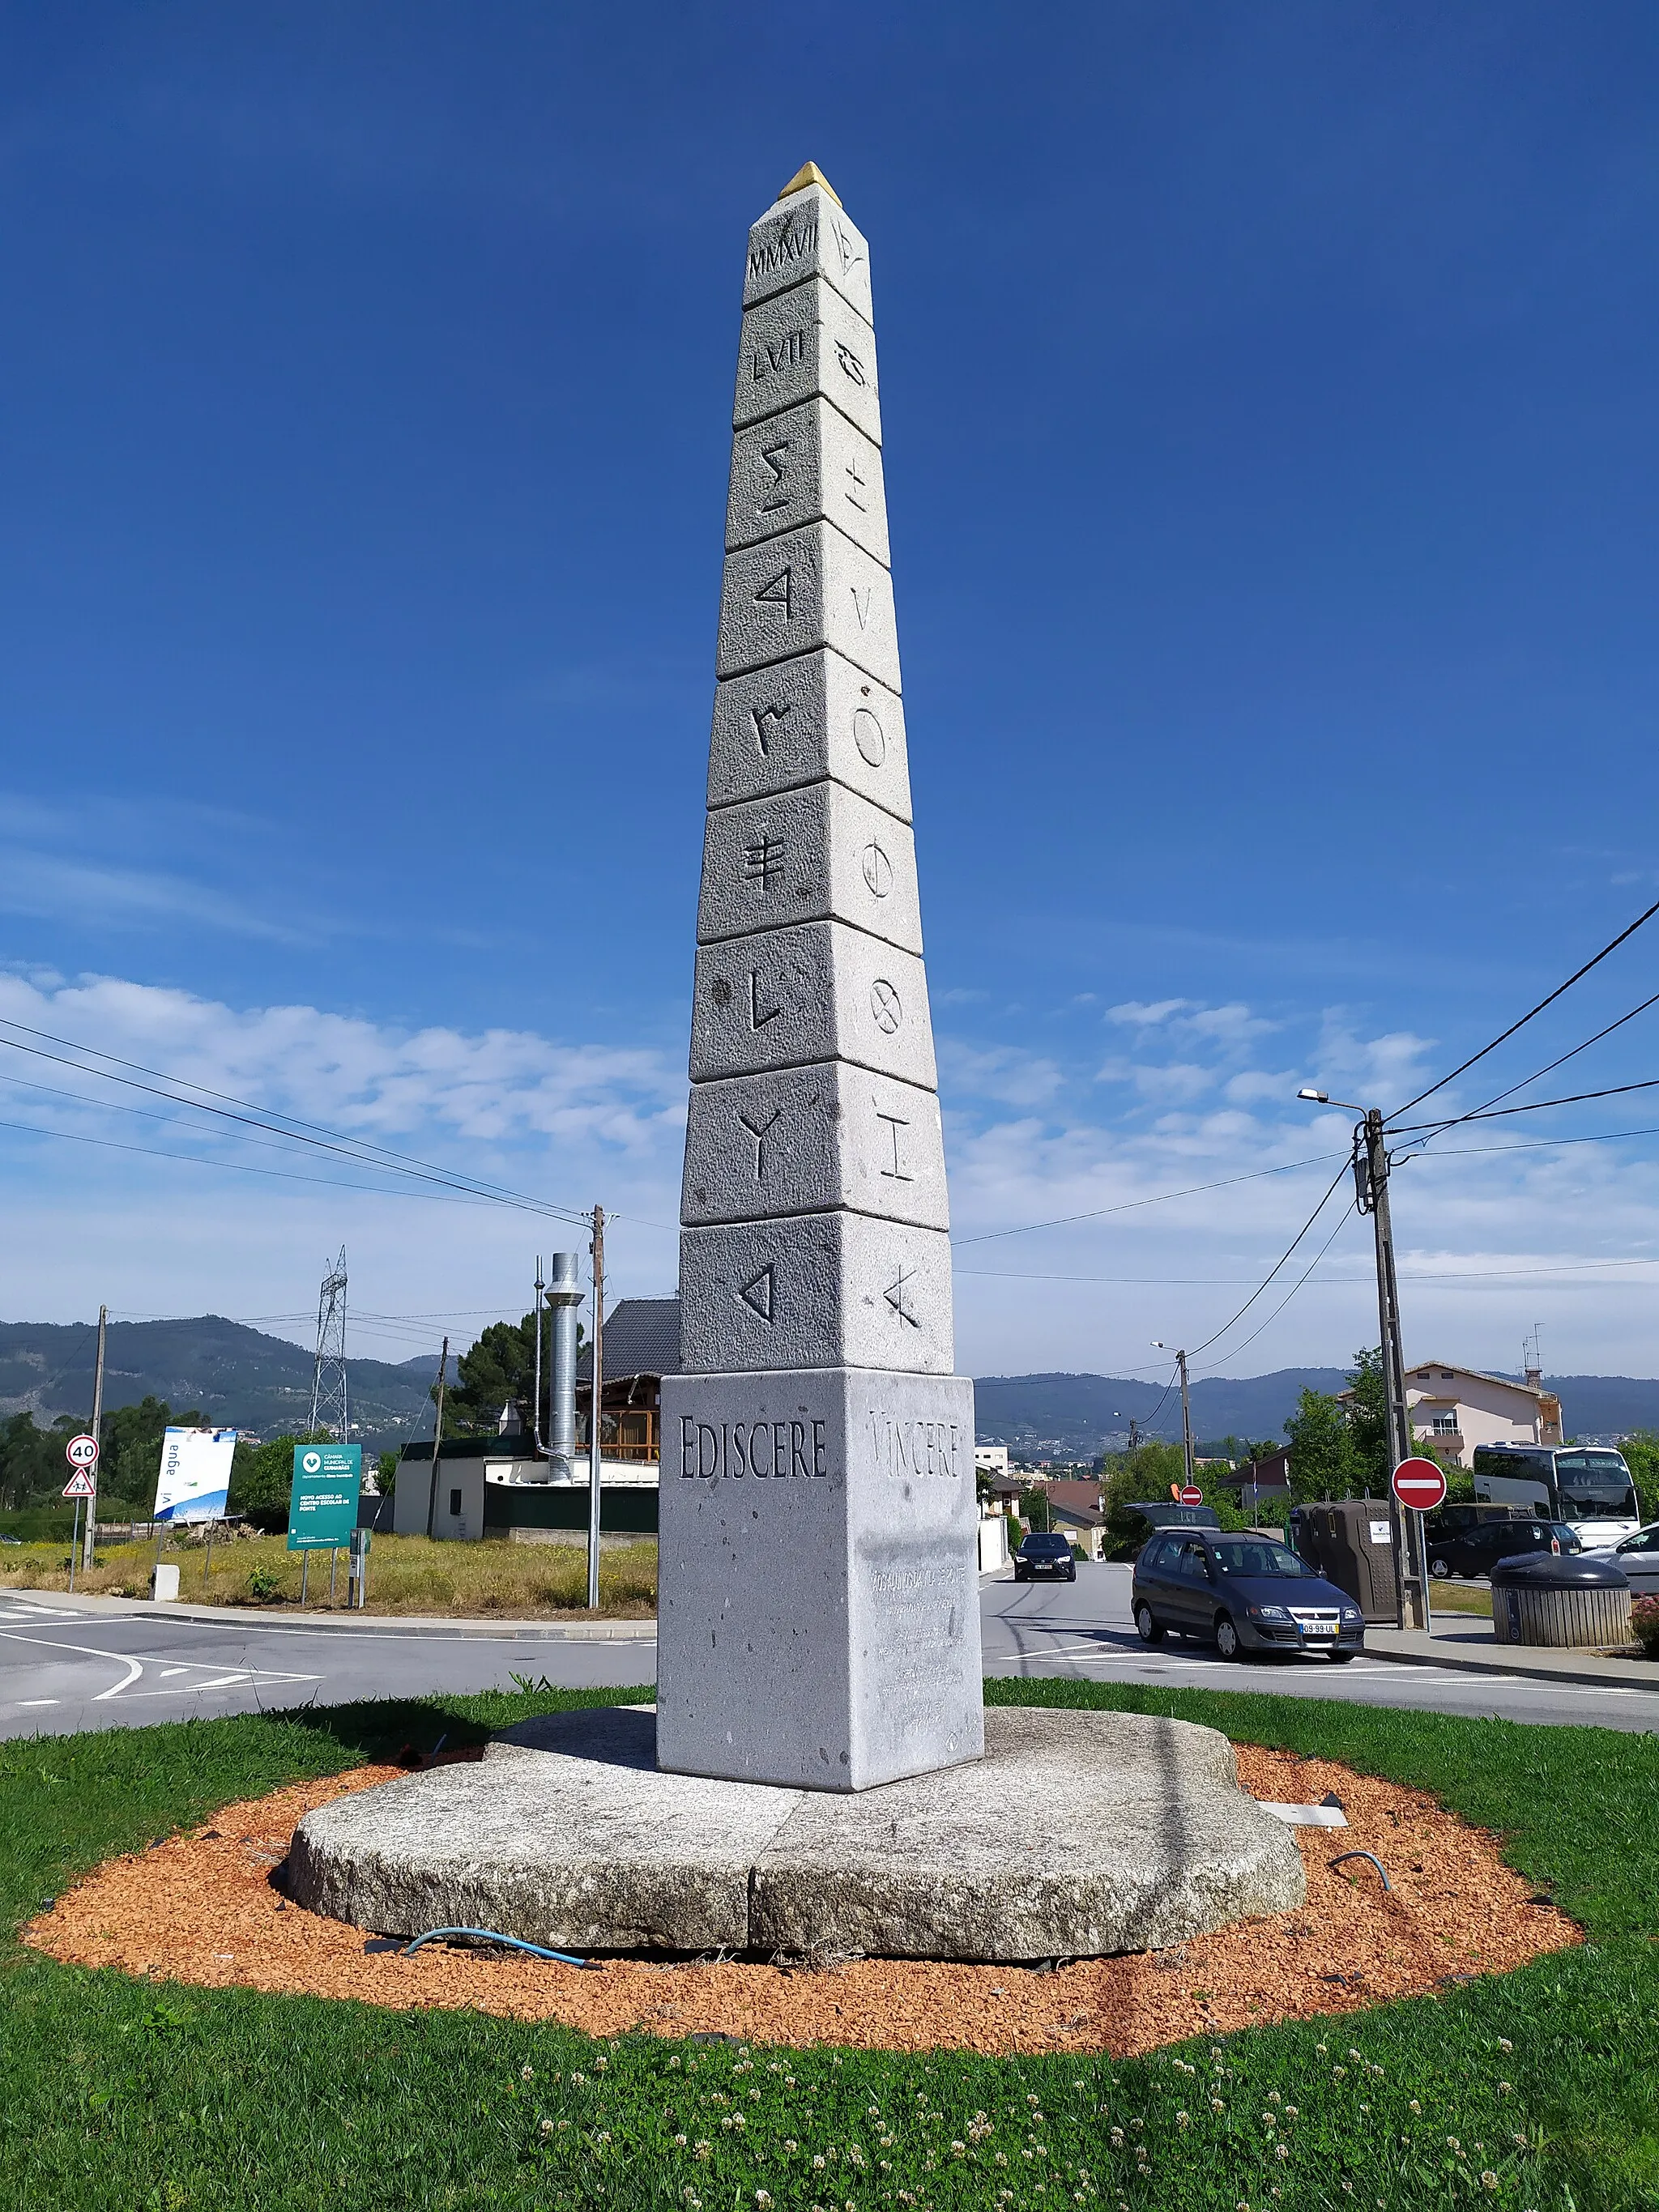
[1192,1495]
[1419,1484]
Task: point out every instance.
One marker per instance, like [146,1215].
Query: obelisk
[818,1602]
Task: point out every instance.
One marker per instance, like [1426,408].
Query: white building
[990,1459]
[1455,1408]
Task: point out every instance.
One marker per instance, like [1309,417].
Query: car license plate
[1318,1628]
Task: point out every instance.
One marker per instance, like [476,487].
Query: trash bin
[1569,1600]
[1350,1542]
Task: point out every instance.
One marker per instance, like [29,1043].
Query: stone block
[804,719]
[817,1617]
[1073,1835]
[812,1138]
[807,234]
[815,990]
[807,588]
[593,1851]
[813,1290]
[1076,1834]
[808,464]
[819,853]
[807,343]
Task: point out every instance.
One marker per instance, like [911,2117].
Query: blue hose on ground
[1374,1859]
[512,1942]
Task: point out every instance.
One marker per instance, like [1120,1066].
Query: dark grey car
[1243,1593]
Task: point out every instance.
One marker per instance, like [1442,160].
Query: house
[498,1485]
[990,1459]
[1452,1409]
[1258,1481]
[641,1345]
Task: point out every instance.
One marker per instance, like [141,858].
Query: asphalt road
[1084,1629]
[62,1670]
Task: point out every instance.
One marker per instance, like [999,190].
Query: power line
[1128,1206]
[296,1131]
[1550,1066]
[1538,1105]
[1576,977]
[1341,1224]
[1275,1269]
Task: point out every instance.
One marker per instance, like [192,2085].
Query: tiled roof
[642,1337]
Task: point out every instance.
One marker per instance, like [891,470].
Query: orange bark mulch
[204,1908]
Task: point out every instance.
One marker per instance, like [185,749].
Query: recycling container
[1571,1599]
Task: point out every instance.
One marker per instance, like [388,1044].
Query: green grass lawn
[1538,2091]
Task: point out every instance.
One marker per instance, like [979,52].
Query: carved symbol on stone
[868,736]
[857,485]
[894,1122]
[776,459]
[780,592]
[788,353]
[885,1005]
[850,256]
[878,869]
[757,1019]
[850,363]
[897,1296]
[768,722]
[760,1135]
[861,606]
[758,1293]
[763,859]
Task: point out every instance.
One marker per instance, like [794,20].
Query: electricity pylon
[328,1376]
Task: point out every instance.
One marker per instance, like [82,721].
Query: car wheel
[1070,1574]
[1149,1629]
[1226,1638]
[1440,1570]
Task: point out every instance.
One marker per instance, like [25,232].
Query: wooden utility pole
[97,1429]
[593,1416]
[437,1440]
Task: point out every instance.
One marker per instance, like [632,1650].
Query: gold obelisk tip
[810,173]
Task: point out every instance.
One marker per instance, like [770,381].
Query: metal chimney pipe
[564,1295]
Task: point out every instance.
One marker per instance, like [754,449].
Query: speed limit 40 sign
[82,1451]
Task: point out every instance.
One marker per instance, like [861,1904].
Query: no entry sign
[1192,1495]
[1419,1484]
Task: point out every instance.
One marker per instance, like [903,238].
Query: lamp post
[1371,1176]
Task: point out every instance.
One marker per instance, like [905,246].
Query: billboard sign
[322,1505]
[195,1479]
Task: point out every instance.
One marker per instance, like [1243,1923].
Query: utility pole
[437,1440]
[97,1429]
[1370,1177]
[1158,1345]
[594,1402]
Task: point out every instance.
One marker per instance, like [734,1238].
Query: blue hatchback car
[1243,1593]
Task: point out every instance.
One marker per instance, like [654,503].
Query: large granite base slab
[1076,1834]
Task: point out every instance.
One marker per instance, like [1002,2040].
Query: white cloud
[1139,1013]
[999,1072]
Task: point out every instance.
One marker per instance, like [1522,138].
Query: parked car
[1476,1548]
[1243,1593]
[1638,1559]
[1044,1555]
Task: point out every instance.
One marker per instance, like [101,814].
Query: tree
[1641,1457]
[1322,1463]
[1140,1476]
[499,1370]
[1368,1420]
[131,1462]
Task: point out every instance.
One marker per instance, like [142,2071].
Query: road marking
[23,1702]
[136,1667]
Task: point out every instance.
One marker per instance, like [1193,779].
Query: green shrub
[1644,1624]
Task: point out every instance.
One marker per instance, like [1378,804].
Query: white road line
[136,1667]
[23,1704]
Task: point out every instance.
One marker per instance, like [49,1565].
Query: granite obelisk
[818,1603]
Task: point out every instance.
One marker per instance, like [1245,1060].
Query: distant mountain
[238,1377]
[1080,1416]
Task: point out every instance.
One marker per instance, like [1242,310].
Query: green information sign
[322,1506]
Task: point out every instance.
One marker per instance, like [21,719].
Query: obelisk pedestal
[819,1591]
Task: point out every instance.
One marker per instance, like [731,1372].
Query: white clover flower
[1506,2088]
[1414,2106]
[1503,2042]
[1488,2179]
[547,2127]
[764,2198]
[1281,2150]
[600,2064]
[789,2143]
[1183,2119]
[526,2073]
[680,2141]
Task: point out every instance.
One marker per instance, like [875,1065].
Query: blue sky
[1270,448]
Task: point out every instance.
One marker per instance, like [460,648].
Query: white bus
[1586,1484]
